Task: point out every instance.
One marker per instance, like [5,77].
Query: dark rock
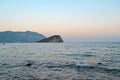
[29,64]
[53,39]
[99,63]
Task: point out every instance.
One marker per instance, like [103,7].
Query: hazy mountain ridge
[28,36]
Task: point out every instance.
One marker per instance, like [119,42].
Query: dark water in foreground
[64,61]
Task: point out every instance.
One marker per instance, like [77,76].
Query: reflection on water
[49,61]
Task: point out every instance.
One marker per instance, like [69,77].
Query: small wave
[117,54]
[84,67]
[112,72]
[61,68]
[88,55]
[80,55]
[111,46]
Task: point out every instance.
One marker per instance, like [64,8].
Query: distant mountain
[53,39]
[22,37]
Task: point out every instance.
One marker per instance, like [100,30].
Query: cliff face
[53,39]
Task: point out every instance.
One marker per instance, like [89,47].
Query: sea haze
[59,61]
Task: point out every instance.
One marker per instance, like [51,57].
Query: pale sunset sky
[74,20]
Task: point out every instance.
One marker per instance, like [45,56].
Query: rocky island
[52,39]
[27,37]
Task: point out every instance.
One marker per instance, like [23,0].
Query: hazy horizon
[74,20]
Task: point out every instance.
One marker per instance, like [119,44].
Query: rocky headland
[52,39]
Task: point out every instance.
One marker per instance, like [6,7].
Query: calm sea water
[59,61]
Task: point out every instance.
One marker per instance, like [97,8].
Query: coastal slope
[22,37]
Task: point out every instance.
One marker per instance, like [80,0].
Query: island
[52,39]
[20,37]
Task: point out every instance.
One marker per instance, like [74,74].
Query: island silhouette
[27,37]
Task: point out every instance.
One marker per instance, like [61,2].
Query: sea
[60,61]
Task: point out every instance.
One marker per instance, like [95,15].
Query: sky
[74,20]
